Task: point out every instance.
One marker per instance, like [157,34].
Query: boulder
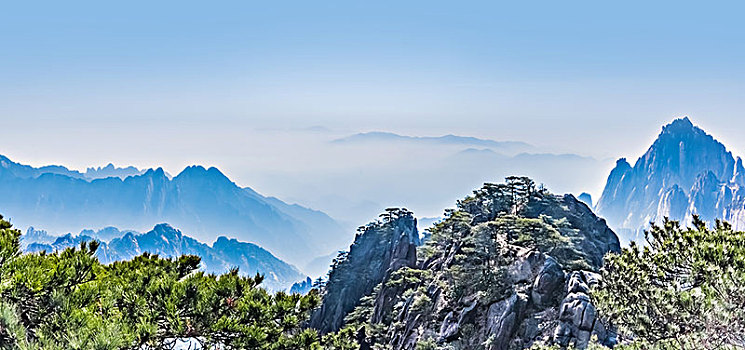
[548,285]
[578,318]
[449,328]
[502,319]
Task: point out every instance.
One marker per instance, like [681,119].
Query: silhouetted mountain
[167,241]
[203,202]
[378,136]
[302,287]
[105,234]
[586,198]
[33,235]
[27,171]
[13,169]
[112,171]
[685,172]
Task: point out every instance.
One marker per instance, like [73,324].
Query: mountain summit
[685,172]
[509,267]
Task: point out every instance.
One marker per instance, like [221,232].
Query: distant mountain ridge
[685,172]
[376,136]
[27,171]
[105,234]
[112,171]
[167,241]
[203,202]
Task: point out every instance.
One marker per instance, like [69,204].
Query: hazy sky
[154,83]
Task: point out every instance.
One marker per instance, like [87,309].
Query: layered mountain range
[200,201]
[166,241]
[685,172]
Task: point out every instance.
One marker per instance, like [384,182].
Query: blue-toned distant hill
[685,172]
[203,202]
[378,136]
[167,241]
[105,234]
[111,171]
[25,171]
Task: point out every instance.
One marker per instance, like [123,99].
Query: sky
[247,85]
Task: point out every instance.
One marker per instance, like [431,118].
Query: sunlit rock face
[685,172]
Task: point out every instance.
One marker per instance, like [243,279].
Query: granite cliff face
[685,172]
[379,249]
[510,267]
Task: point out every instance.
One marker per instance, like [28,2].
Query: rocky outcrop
[502,318]
[379,249]
[596,238]
[547,306]
[685,172]
[555,308]
[547,285]
[578,318]
[502,271]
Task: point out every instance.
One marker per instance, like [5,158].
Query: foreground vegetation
[68,300]
[685,289]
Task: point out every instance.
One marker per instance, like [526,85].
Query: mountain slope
[685,172]
[167,241]
[510,267]
[201,201]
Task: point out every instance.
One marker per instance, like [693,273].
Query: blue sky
[165,83]
[413,65]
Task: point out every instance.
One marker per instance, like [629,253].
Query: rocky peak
[33,235]
[379,249]
[166,230]
[155,173]
[110,170]
[663,180]
[680,125]
[683,151]
[586,198]
[506,269]
[199,171]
